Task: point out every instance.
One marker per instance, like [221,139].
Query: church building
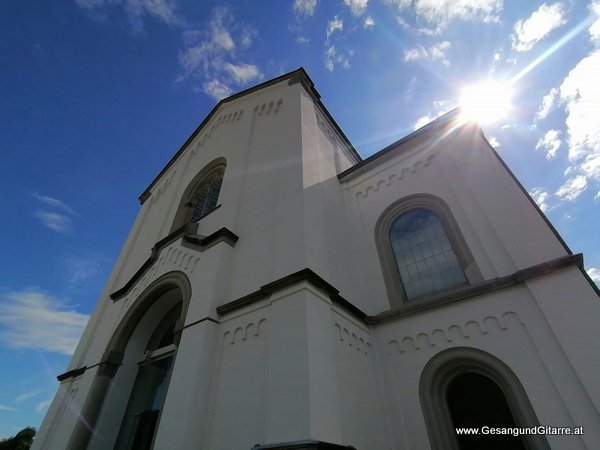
[278,291]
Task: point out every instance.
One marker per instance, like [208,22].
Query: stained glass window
[424,256]
[207,194]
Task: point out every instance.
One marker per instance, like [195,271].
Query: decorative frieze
[457,334]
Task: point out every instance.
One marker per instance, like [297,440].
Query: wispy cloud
[333,57]
[213,56]
[27,395]
[333,25]
[56,217]
[358,7]
[439,107]
[55,221]
[80,269]
[548,102]
[494,142]
[435,52]
[529,32]
[164,11]
[550,143]
[43,406]
[442,12]
[368,22]
[540,196]
[572,188]
[53,202]
[594,274]
[7,408]
[305,7]
[34,320]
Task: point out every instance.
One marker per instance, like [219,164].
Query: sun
[486,102]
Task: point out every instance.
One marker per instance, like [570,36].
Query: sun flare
[486,102]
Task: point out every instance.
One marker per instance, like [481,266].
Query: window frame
[391,275]
[185,210]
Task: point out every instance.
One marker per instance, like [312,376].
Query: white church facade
[277,291]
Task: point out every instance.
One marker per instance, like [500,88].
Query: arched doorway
[469,388]
[122,408]
[475,401]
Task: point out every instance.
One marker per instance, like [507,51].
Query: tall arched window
[422,250]
[206,194]
[423,254]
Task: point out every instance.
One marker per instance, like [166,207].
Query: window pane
[145,402]
[207,194]
[419,242]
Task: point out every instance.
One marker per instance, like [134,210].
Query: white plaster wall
[506,324]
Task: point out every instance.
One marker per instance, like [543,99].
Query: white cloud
[439,108]
[55,221]
[494,142]
[532,30]
[27,395]
[594,274]
[442,12]
[243,73]
[50,201]
[368,22]
[435,52]
[302,40]
[550,143]
[422,121]
[597,196]
[572,188]
[7,408]
[358,7]
[581,96]
[333,25]
[43,406]
[333,57]
[136,10]
[79,270]
[548,102]
[219,33]
[215,55]
[305,7]
[541,198]
[216,89]
[34,320]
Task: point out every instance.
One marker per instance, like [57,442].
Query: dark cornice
[485,287]
[419,305]
[202,243]
[432,126]
[289,280]
[296,76]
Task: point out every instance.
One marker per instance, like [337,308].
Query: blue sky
[97,95]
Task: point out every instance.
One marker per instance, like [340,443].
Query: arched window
[206,194]
[469,388]
[201,195]
[423,254]
[422,250]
